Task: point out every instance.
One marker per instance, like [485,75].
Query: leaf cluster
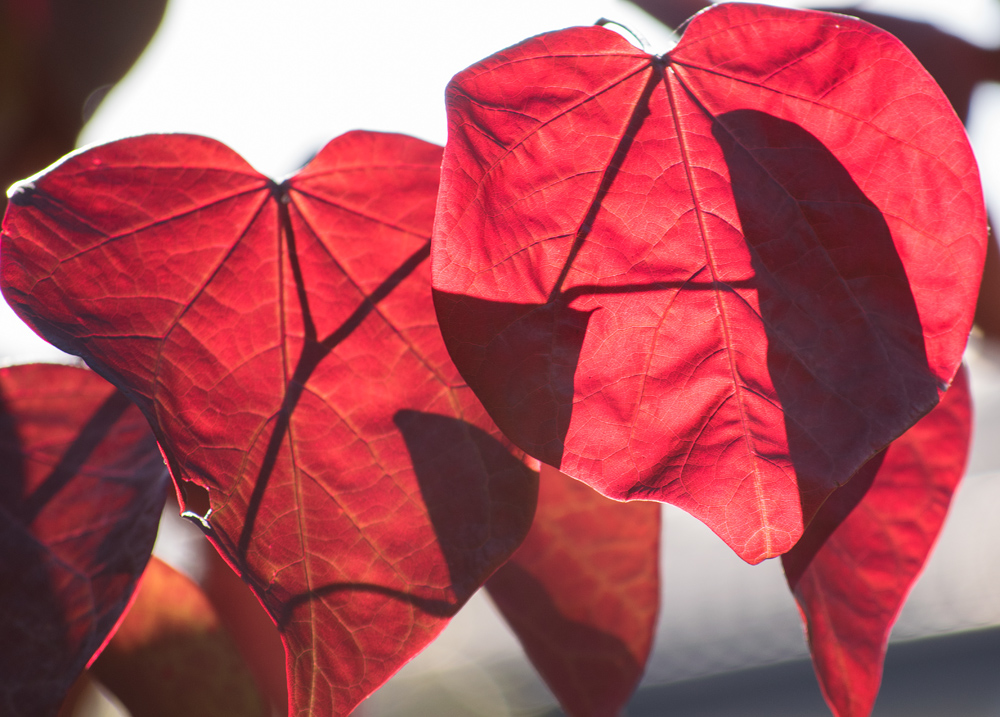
[737,278]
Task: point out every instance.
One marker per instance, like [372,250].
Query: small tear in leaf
[200,520]
[196,504]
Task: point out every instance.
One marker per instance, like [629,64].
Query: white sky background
[276,81]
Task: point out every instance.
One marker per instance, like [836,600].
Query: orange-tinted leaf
[252,629]
[855,565]
[82,485]
[582,593]
[281,339]
[171,656]
[724,278]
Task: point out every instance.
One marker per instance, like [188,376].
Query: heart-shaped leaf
[82,486]
[722,278]
[171,655]
[281,340]
[863,552]
[582,593]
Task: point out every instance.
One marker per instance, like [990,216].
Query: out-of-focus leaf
[855,565]
[58,59]
[281,340]
[724,278]
[252,629]
[76,695]
[82,485]
[171,656]
[582,593]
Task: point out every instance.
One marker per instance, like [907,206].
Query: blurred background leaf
[58,58]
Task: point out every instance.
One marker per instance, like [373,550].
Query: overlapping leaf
[282,342]
[858,560]
[171,655]
[82,486]
[582,593]
[724,278]
[252,629]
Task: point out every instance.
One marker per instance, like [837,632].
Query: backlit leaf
[171,655]
[855,565]
[582,593]
[82,486]
[724,278]
[282,342]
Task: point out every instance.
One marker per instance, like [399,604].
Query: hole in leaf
[195,504]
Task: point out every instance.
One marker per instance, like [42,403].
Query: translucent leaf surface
[281,340]
[855,565]
[82,486]
[723,278]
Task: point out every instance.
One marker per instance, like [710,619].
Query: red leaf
[281,339]
[171,655]
[724,278]
[83,486]
[956,65]
[855,565]
[582,593]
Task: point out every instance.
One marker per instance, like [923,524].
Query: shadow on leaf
[845,344]
[70,561]
[474,490]
[586,677]
[524,374]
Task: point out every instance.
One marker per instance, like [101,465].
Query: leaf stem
[639,114]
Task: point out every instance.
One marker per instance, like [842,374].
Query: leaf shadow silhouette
[24,563]
[845,343]
[524,373]
[313,354]
[845,346]
[463,509]
[835,510]
[586,677]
